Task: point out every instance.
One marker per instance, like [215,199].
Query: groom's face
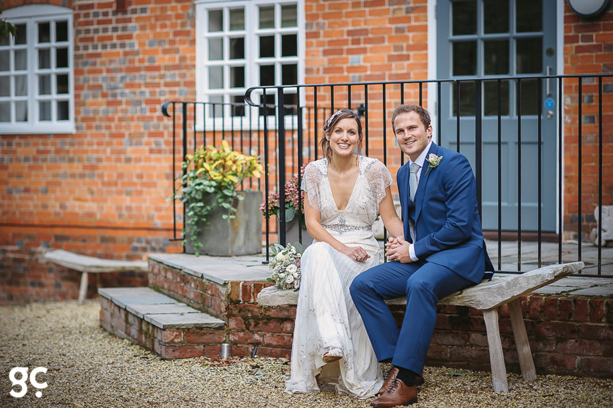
[413,137]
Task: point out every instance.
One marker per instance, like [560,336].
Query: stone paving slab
[218,269]
[141,310]
[186,321]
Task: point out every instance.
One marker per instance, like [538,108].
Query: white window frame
[31,15]
[251,61]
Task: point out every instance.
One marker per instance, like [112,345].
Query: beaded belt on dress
[346,228]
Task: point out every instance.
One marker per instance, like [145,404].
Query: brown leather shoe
[397,394]
[391,376]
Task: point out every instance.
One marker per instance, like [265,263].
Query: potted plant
[219,220]
[294,210]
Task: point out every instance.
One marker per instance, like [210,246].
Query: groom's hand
[397,249]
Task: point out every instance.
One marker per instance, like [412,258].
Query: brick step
[159,323]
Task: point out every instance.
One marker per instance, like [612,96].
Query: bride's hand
[356,253]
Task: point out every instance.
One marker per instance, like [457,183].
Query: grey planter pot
[292,236]
[240,236]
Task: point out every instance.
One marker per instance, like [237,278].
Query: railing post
[281,161]
[478,145]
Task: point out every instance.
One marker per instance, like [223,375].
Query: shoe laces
[394,385]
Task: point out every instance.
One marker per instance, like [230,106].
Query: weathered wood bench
[88,264]
[487,297]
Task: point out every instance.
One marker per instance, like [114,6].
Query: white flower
[433,161]
[292,268]
[280,256]
[289,279]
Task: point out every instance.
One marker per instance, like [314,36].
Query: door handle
[548,87]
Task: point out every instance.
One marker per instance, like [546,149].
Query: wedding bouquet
[285,265]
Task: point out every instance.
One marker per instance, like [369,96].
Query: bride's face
[344,138]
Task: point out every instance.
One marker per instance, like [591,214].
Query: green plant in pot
[208,190]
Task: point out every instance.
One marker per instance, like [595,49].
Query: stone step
[160,323]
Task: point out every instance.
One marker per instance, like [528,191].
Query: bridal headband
[338,112]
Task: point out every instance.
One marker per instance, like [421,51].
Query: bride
[344,194]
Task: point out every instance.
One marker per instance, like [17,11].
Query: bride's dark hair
[331,124]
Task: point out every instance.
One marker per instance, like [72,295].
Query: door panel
[481,39]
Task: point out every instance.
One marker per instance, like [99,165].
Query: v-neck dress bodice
[326,316]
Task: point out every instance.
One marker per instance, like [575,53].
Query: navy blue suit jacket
[445,215]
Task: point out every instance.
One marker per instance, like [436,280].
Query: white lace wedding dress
[326,317]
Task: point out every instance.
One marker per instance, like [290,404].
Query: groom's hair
[424,116]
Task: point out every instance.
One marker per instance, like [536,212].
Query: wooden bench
[88,264]
[487,296]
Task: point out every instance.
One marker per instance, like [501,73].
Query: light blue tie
[413,180]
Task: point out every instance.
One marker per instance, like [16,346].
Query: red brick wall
[101,191]
[588,50]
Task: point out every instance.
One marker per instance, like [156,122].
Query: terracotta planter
[240,236]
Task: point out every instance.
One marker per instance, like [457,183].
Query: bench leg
[521,341]
[499,371]
[83,288]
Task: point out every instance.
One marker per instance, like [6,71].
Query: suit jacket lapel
[403,188]
[423,179]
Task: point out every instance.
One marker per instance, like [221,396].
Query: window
[241,44]
[36,71]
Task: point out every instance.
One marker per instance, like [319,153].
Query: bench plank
[89,264]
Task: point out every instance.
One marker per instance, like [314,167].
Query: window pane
[267,17]
[529,97]
[496,57]
[529,16]
[44,33]
[289,45]
[237,19]
[61,31]
[464,17]
[464,58]
[215,77]
[238,105]
[22,34]
[289,16]
[62,110]
[215,21]
[21,85]
[237,48]
[267,75]
[237,77]
[62,84]
[530,56]
[5,60]
[5,86]
[270,104]
[21,60]
[44,85]
[467,99]
[490,98]
[5,111]
[44,59]
[61,58]
[289,74]
[215,49]
[495,16]
[215,106]
[21,111]
[267,46]
[291,104]
[44,112]
[5,41]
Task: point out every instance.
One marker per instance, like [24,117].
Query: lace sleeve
[379,178]
[310,184]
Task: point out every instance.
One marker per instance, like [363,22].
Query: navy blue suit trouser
[423,284]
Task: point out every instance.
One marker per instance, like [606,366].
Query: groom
[442,252]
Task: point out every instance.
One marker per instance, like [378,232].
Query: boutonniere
[433,161]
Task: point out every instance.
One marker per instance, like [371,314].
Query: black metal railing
[498,123]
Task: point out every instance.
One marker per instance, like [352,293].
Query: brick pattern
[587,50]
[568,335]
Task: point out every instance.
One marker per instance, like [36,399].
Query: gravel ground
[87,367]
